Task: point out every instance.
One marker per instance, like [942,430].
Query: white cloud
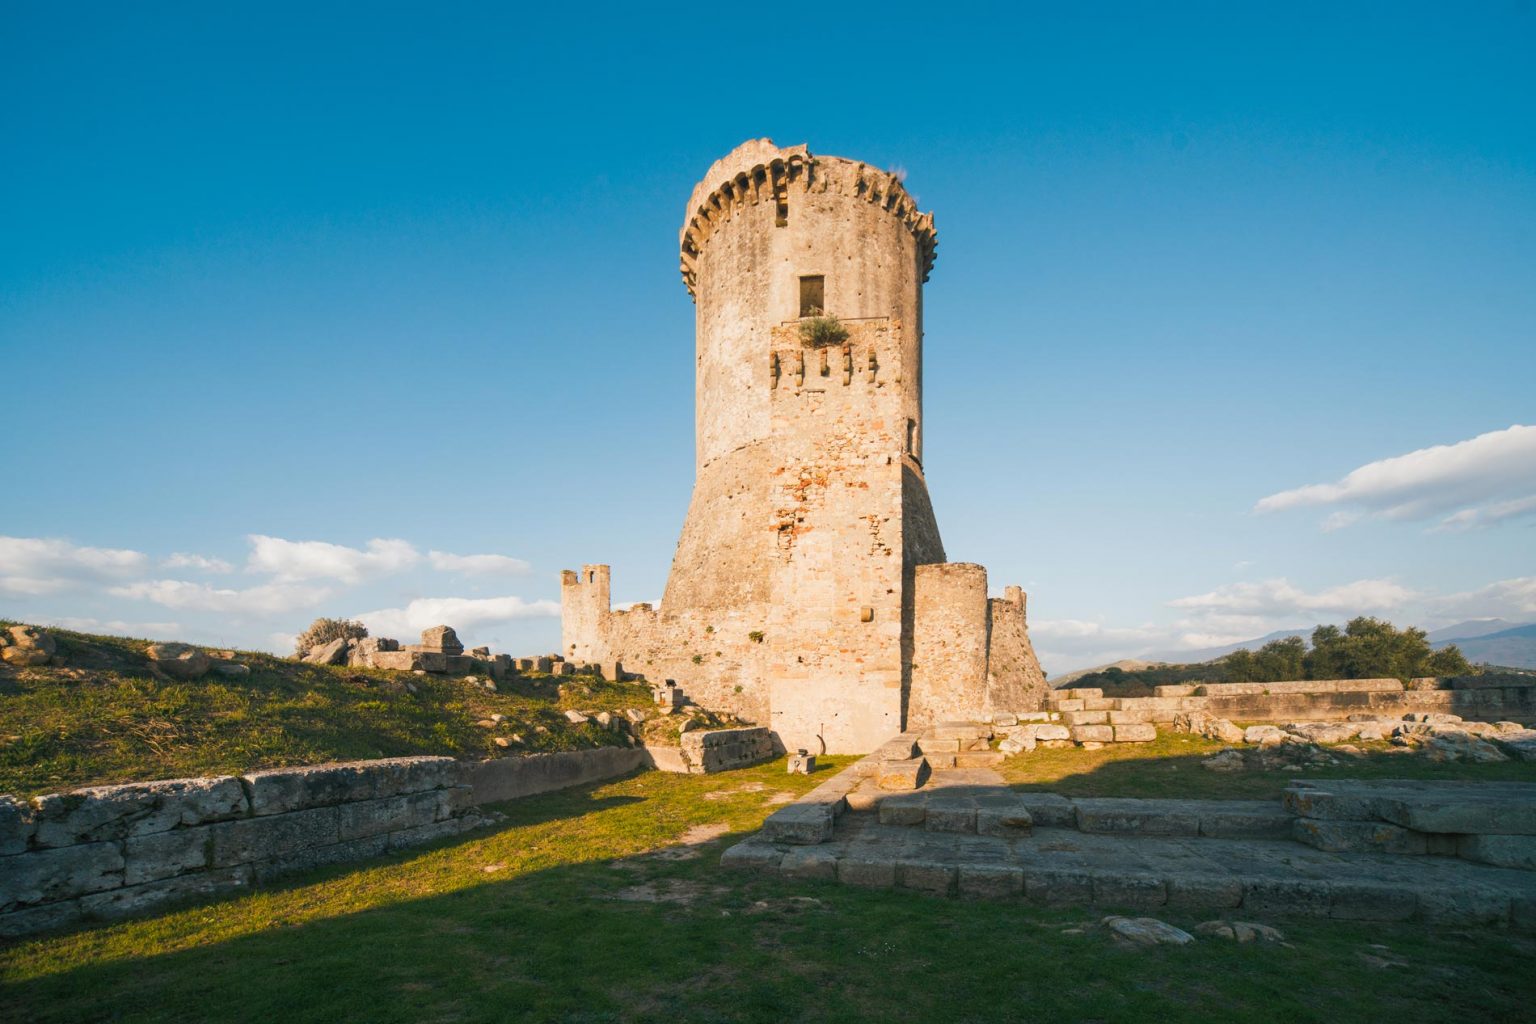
[39,565]
[478,565]
[294,560]
[1498,467]
[267,599]
[462,613]
[1498,512]
[1279,598]
[182,560]
[1513,599]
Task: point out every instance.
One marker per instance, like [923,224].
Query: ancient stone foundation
[111,851]
[810,590]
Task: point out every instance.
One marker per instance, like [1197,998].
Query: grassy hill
[103,716]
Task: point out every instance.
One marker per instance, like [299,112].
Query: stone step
[1224,819]
[1056,867]
[959,809]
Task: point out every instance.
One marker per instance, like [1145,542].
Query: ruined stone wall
[1015,681]
[105,852]
[971,655]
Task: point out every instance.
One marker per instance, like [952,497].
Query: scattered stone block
[183,661]
[1093,733]
[800,763]
[1146,931]
[900,775]
[1141,733]
[1240,931]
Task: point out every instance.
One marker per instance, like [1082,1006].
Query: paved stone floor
[1197,868]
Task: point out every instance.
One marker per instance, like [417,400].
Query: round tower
[771,234]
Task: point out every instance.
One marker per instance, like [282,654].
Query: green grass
[525,923]
[103,718]
[1170,768]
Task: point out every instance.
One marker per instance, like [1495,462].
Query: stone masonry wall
[111,851]
[1315,701]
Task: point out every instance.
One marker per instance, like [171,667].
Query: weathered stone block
[927,876]
[290,789]
[991,881]
[113,812]
[799,823]
[752,855]
[1301,897]
[1006,820]
[1203,891]
[16,825]
[273,836]
[867,870]
[1049,810]
[809,862]
[303,858]
[1075,718]
[1358,837]
[1093,733]
[164,854]
[902,811]
[944,816]
[1058,886]
[900,775]
[1139,817]
[139,898]
[31,920]
[1501,851]
[1137,733]
[1050,731]
[390,814]
[1480,813]
[56,874]
[1128,889]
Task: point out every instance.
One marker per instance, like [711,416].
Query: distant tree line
[1366,648]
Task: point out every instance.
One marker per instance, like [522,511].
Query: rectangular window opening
[813,295]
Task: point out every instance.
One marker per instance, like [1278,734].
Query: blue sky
[302,306]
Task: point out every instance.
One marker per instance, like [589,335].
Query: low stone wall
[714,750]
[508,778]
[112,851]
[1312,700]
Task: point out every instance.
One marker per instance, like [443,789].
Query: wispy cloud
[1280,598]
[478,565]
[295,560]
[42,565]
[1488,479]
[267,599]
[1513,599]
[182,560]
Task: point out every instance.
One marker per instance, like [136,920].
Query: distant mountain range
[1514,647]
[1483,641]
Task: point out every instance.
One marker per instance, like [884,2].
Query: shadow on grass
[569,911]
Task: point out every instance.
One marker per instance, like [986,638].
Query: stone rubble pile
[1436,735]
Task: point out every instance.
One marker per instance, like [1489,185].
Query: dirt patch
[667,890]
[688,843]
[725,794]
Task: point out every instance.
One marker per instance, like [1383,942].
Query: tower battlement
[758,173]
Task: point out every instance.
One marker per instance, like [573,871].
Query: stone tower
[809,589]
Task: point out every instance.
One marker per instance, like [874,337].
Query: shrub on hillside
[323,631]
